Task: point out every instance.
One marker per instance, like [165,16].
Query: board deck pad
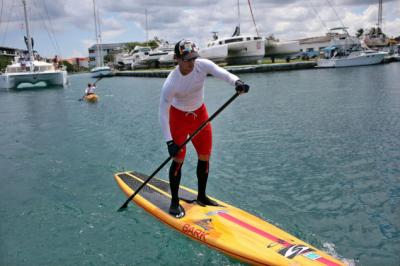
[225,228]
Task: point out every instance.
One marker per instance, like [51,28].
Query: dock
[154,73]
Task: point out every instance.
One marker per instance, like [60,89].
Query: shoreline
[259,68]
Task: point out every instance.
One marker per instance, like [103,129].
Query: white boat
[356,58]
[100,70]
[238,49]
[138,54]
[281,49]
[124,60]
[30,70]
[167,59]
[152,60]
[345,51]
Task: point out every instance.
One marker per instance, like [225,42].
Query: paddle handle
[180,147]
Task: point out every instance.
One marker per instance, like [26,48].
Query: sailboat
[28,69]
[100,70]
[238,49]
[275,48]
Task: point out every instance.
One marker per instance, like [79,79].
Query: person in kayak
[90,89]
[182,111]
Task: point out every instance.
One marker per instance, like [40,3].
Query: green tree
[4,61]
[372,31]
[109,58]
[151,43]
[70,67]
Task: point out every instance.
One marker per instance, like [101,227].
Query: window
[234,40]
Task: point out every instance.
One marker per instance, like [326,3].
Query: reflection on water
[316,152]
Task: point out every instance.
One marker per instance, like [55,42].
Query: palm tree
[360,32]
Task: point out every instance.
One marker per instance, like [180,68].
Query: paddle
[94,84]
[123,207]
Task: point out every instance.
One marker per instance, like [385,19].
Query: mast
[252,16]
[238,16]
[380,15]
[147,29]
[28,35]
[101,61]
[97,37]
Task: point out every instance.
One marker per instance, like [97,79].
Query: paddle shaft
[180,147]
[98,80]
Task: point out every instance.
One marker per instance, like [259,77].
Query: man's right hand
[173,148]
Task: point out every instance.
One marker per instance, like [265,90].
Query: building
[10,52]
[107,49]
[314,44]
[81,62]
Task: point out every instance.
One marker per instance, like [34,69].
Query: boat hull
[167,60]
[281,49]
[98,72]
[361,60]
[217,54]
[92,98]
[246,52]
[51,78]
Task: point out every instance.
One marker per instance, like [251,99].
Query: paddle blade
[125,205]
[122,208]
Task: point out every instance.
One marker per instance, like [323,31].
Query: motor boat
[167,59]
[345,50]
[152,60]
[355,58]
[138,54]
[101,71]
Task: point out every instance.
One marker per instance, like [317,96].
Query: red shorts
[183,124]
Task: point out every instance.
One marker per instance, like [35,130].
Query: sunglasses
[189,60]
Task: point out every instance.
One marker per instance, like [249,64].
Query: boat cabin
[235,39]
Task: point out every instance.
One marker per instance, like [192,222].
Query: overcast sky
[66,27]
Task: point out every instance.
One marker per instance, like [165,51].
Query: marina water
[315,152]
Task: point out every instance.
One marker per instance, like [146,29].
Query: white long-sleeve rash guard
[186,93]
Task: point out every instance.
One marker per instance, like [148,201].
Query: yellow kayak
[225,228]
[91,98]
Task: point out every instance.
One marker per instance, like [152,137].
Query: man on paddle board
[182,111]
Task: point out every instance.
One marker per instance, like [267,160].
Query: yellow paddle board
[225,228]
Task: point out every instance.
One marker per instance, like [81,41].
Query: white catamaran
[238,49]
[27,69]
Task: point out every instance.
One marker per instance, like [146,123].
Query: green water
[316,152]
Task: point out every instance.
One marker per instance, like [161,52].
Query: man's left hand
[241,87]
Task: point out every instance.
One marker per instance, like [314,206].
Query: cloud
[76,53]
[125,20]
